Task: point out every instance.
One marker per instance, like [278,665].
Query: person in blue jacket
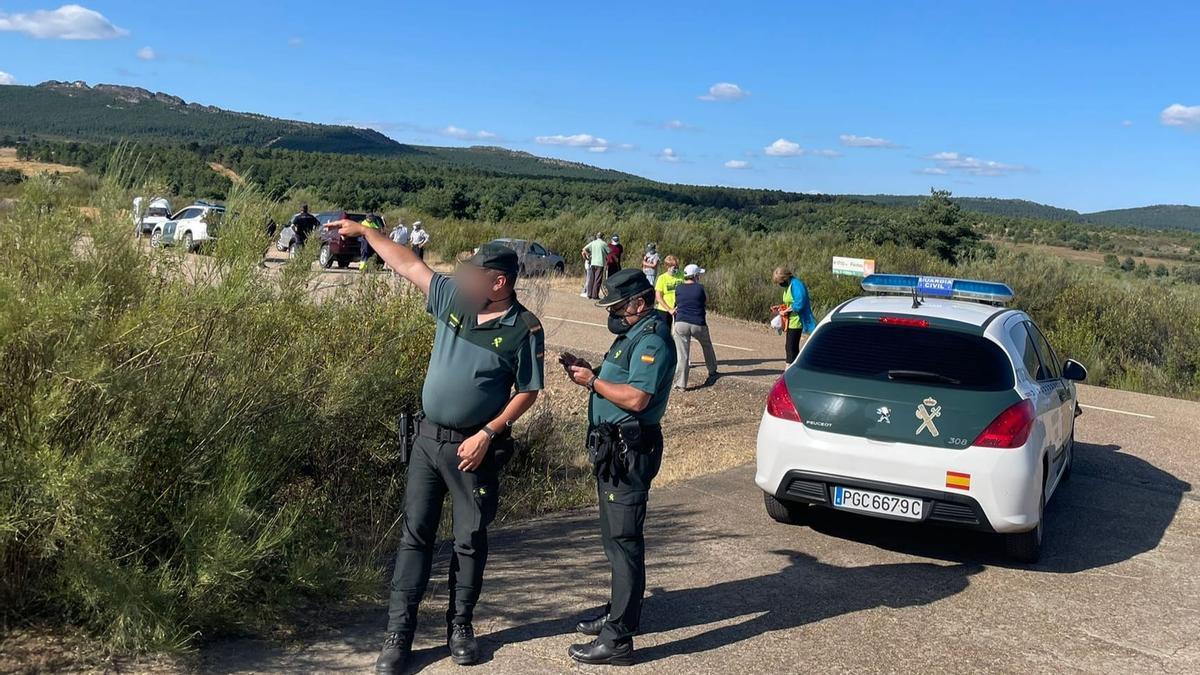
[796,311]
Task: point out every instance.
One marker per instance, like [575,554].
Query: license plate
[865,501]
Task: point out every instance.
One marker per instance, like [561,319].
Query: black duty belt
[441,434]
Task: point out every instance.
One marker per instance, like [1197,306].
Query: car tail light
[904,321]
[779,403]
[1010,429]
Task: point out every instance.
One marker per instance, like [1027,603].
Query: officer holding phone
[628,396]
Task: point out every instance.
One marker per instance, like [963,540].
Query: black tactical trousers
[622,518]
[432,472]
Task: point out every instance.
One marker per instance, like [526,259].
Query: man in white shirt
[420,237]
[400,233]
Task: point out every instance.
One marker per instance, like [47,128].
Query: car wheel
[788,513]
[1026,547]
[156,239]
[343,263]
[325,258]
[560,269]
[188,244]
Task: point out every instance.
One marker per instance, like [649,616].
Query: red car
[335,247]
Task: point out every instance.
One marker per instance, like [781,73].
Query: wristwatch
[591,385]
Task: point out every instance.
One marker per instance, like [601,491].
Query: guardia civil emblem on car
[985,450]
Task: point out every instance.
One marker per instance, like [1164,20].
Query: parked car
[953,410]
[533,257]
[190,228]
[157,213]
[335,247]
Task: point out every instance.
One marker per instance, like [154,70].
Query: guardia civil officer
[485,371]
[625,443]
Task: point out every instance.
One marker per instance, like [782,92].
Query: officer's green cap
[496,256]
[625,285]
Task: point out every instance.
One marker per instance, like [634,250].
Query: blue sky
[1085,105]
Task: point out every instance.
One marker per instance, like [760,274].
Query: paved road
[1118,589]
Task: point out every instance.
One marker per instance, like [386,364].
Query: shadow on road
[1115,507]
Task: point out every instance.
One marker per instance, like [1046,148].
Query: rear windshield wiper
[921,375]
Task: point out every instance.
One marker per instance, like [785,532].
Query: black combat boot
[592,626]
[396,648]
[598,653]
[464,648]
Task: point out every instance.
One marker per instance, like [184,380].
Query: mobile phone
[567,359]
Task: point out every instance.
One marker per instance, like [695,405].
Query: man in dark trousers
[486,346]
[303,224]
[628,397]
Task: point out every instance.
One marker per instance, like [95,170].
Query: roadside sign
[853,267]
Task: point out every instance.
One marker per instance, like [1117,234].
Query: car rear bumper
[796,463]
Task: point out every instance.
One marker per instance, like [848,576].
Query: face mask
[617,324]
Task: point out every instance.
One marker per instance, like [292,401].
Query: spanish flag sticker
[958,481]
[647,358]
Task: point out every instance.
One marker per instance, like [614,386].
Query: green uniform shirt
[598,250]
[474,368]
[666,284]
[649,366]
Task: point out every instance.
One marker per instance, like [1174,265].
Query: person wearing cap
[650,262]
[796,311]
[419,239]
[664,288]
[595,253]
[615,251]
[485,371]
[627,398]
[691,304]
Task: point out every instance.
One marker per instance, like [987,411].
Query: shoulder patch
[531,322]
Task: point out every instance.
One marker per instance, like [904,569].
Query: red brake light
[904,321]
[779,403]
[1010,429]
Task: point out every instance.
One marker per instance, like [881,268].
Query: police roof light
[944,287]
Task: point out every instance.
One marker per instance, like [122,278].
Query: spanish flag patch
[958,481]
[647,358]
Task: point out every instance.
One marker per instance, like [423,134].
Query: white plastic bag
[777,323]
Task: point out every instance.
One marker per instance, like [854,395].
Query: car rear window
[872,350]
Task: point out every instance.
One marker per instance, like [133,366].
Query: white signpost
[853,267]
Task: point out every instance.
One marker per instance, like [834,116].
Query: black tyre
[788,513]
[560,269]
[1026,547]
[325,257]
[156,239]
[343,263]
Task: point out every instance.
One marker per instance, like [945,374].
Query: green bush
[189,447]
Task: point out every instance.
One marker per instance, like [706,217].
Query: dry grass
[8,160]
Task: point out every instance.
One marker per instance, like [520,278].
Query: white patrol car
[927,402]
[189,228]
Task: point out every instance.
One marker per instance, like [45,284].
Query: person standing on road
[625,443]
[650,262]
[399,233]
[365,252]
[796,313]
[420,239]
[595,253]
[664,288]
[691,304]
[485,371]
[615,252]
[302,225]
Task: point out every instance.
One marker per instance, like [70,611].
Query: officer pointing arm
[485,371]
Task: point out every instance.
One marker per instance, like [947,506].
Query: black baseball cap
[496,256]
[625,285]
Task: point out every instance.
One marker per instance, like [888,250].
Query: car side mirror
[1074,370]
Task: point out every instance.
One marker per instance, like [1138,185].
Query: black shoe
[464,648]
[396,648]
[597,653]
[592,626]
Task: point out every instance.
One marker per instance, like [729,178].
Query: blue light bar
[943,287]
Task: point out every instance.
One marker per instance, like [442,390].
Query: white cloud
[724,91]
[1179,115]
[592,143]
[974,166]
[69,22]
[147,54]
[737,164]
[932,171]
[825,153]
[5,78]
[467,135]
[668,155]
[295,42]
[852,141]
[784,148]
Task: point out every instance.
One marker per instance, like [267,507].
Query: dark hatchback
[335,247]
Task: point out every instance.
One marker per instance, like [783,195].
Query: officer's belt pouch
[631,434]
[406,431]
